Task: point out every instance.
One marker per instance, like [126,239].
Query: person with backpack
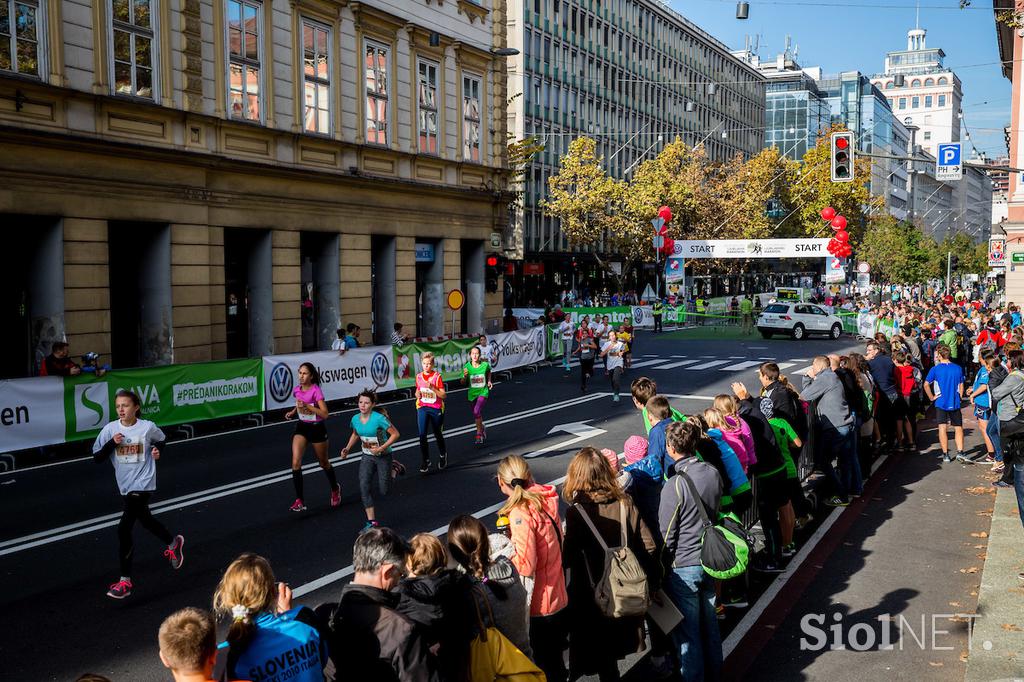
[532,510]
[952,339]
[688,585]
[613,567]
[979,395]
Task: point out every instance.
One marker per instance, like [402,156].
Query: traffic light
[954,263]
[842,157]
[492,273]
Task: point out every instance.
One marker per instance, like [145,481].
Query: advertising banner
[553,342]
[516,349]
[30,412]
[527,317]
[866,324]
[997,252]
[674,268]
[341,375]
[172,394]
[750,248]
[449,358]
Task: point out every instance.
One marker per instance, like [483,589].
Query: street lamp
[742,10]
[504,51]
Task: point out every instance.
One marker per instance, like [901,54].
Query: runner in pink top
[311,409]
[430,395]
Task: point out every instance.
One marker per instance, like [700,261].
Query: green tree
[971,258]
[897,251]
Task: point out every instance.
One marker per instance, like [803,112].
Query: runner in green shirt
[747,310]
[477,374]
[785,437]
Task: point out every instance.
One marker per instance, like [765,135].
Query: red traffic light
[492,261]
[842,143]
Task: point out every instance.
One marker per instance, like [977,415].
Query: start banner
[342,375]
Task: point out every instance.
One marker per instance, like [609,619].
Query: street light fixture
[742,10]
[504,51]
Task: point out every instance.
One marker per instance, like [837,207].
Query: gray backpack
[621,590]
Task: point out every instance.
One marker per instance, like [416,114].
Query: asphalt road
[230,493]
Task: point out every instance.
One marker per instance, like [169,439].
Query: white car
[798,320]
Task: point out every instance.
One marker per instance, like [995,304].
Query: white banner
[31,412]
[866,324]
[527,317]
[517,349]
[997,252]
[834,270]
[341,376]
[751,248]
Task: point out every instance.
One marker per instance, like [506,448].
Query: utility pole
[949,260]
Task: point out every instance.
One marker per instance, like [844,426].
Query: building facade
[862,108]
[189,180]
[633,75]
[930,95]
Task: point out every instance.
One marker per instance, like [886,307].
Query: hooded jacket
[537,543]
[371,640]
[833,412]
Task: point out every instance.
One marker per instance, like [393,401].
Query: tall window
[428,107]
[471,118]
[316,73]
[927,101]
[942,100]
[376,93]
[915,102]
[19,36]
[244,31]
[132,23]
[903,102]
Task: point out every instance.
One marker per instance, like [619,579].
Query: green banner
[170,394]
[849,321]
[616,314]
[553,347]
[449,359]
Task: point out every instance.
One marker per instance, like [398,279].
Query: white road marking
[673,365]
[645,363]
[708,365]
[747,364]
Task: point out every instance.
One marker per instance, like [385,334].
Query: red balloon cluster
[665,213]
[839,245]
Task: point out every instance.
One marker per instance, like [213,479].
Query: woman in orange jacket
[532,510]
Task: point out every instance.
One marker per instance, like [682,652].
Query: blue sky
[876,26]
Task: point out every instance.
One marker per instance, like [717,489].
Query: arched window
[888,85]
[943,80]
[928,82]
[916,83]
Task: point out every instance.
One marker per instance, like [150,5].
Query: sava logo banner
[341,375]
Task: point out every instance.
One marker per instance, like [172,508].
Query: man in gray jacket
[835,421]
[690,588]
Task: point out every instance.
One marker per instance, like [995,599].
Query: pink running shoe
[175,552]
[297,506]
[336,496]
[120,589]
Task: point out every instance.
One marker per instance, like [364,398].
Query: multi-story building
[862,108]
[796,113]
[1000,190]
[920,88]
[188,180]
[632,74]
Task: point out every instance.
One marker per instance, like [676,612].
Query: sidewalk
[997,643]
[890,588]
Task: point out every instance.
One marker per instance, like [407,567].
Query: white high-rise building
[930,94]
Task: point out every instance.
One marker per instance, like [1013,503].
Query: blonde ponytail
[514,472]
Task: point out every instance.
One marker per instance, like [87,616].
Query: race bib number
[477,380]
[128,452]
[307,415]
[427,397]
[369,442]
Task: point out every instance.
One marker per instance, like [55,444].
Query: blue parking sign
[947,162]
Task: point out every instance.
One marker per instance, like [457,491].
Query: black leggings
[136,508]
[616,378]
[586,371]
[771,494]
[434,418]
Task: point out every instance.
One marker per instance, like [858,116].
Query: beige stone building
[187,180]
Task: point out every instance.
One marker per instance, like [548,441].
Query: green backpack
[725,546]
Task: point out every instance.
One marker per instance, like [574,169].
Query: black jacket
[851,389]
[784,405]
[369,639]
[769,458]
[440,607]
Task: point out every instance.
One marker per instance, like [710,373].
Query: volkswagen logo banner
[341,375]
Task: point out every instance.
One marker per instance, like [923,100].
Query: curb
[997,642]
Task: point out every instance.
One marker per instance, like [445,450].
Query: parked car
[798,320]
